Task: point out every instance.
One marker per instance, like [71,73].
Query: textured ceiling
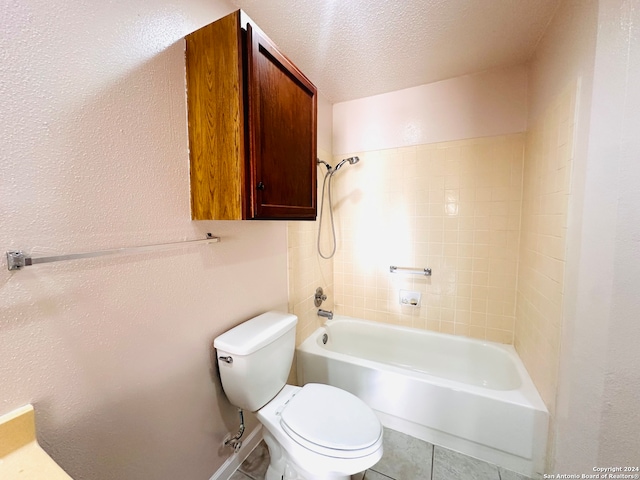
[356,48]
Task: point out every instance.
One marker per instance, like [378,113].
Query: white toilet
[316,432]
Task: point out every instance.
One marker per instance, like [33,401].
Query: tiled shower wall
[307,271]
[454,207]
[547,170]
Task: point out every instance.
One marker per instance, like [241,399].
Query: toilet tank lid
[252,335]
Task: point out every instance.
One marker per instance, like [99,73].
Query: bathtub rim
[526,395]
[529,466]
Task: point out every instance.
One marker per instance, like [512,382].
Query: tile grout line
[379,473]
[246,474]
[433,458]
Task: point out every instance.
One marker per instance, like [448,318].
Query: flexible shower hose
[328,175]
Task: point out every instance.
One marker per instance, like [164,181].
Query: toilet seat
[331,422]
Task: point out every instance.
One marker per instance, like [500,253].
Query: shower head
[351,160]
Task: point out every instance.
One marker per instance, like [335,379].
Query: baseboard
[235,460]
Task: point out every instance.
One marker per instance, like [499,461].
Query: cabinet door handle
[260,186]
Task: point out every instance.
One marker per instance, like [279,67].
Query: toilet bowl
[315,432]
[320,432]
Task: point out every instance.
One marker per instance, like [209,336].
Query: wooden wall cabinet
[252,126]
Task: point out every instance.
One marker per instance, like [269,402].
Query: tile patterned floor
[255,466]
[405,458]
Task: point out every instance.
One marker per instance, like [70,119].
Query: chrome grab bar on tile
[411,270]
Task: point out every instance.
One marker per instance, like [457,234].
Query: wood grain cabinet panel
[252,126]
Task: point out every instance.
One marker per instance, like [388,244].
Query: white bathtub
[471,396]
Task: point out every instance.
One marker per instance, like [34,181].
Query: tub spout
[328,314]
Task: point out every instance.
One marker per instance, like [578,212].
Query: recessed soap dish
[410,298]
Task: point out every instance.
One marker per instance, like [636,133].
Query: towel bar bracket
[16,260]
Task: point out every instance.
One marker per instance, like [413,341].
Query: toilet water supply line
[235,442]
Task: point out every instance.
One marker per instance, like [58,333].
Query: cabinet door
[282,134]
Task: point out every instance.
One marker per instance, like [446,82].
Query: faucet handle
[319,297]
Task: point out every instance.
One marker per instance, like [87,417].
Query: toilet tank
[257,357]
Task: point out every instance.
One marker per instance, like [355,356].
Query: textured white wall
[480,105]
[325,124]
[115,353]
[620,434]
[357,49]
[598,413]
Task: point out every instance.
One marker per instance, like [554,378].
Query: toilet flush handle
[228,359]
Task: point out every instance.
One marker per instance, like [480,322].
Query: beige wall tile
[307,270]
[454,207]
[542,246]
